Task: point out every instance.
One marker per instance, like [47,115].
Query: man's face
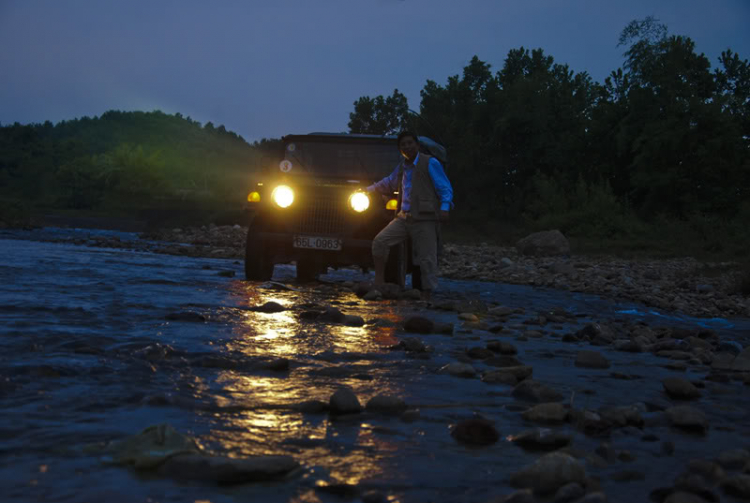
[409,147]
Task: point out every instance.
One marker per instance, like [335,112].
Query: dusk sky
[268,68]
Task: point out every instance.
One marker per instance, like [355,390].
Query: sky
[268,68]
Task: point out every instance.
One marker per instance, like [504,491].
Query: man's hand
[444,214]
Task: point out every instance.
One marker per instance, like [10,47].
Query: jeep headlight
[359,201]
[283,196]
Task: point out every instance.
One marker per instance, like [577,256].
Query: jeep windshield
[350,160]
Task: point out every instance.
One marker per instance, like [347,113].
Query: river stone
[223,470]
[503,361]
[344,401]
[332,315]
[596,333]
[150,447]
[731,347]
[591,359]
[550,413]
[520,372]
[458,369]
[677,387]
[737,485]
[479,353]
[268,307]
[542,439]
[351,320]
[688,418]
[499,377]
[386,404]
[733,459]
[413,345]
[535,391]
[419,325]
[476,431]
[569,493]
[373,295]
[502,347]
[544,244]
[411,294]
[186,316]
[549,473]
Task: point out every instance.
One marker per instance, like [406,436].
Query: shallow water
[88,355]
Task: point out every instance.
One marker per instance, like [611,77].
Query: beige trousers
[423,234]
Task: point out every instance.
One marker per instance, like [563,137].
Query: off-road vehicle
[311,206]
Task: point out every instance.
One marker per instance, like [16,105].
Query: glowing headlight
[283,196]
[253,197]
[359,201]
[392,204]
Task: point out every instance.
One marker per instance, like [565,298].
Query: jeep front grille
[321,216]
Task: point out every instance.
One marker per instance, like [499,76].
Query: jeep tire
[258,266]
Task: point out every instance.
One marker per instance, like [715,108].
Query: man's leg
[392,234]
[424,240]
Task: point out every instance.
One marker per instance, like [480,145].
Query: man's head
[408,145]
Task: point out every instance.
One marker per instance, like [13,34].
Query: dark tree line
[122,158]
[664,137]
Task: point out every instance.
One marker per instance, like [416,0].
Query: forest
[656,158]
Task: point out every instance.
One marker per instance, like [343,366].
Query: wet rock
[499,377]
[344,401]
[386,404]
[223,470]
[549,473]
[150,447]
[332,315]
[502,347]
[458,369]
[677,387]
[733,459]
[501,311]
[731,347]
[470,317]
[412,345]
[541,439]
[373,295]
[742,362]
[268,307]
[535,391]
[278,365]
[520,373]
[155,352]
[189,316]
[412,294]
[723,361]
[597,334]
[351,320]
[419,325]
[544,244]
[737,485]
[684,497]
[708,470]
[549,413]
[475,431]
[592,360]
[411,415]
[373,496]
[623,415]
[688,418]
[569,493]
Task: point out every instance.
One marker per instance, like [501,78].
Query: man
[426,197]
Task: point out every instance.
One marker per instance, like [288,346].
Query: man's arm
[387,185]
[442,185]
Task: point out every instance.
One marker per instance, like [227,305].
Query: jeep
[311,206]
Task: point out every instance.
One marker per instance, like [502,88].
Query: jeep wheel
[306,270]
[257,265]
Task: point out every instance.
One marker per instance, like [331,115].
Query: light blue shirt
[389,184]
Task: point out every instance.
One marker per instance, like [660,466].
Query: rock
[591,359]
[503,361]
[742,362]
[311,407]
[476,431]
[569,493]
[731,347]
[278,365]
[549,413]
[386,404]
[373,496]
[519,373]
[190,316]
[344,401]
[458,369]
[412,345]
[688,418]
[628,476]
[502,311]
[223,470]
[351,320]
[544,244]
[478,353]
[373,295]
[542,439]
[268,307]
[419,325]
[677,387]
[468,317]
[502,347]
[549,473]
[733,459]
[411,295]
[535,391]
[150,447]
[737,485]
[331,315]
[596,333]
[684,497]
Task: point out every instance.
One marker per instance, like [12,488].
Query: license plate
[317,243]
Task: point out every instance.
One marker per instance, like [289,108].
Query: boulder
[549,413]
[386,404]
[419,325]
[544,244]
[344,401]
[549,473]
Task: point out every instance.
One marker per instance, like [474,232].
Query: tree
[379,115]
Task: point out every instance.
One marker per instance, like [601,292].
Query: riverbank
[682,285]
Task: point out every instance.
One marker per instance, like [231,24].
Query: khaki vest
[425,204]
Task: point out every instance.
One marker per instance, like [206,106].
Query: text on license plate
[317,243]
